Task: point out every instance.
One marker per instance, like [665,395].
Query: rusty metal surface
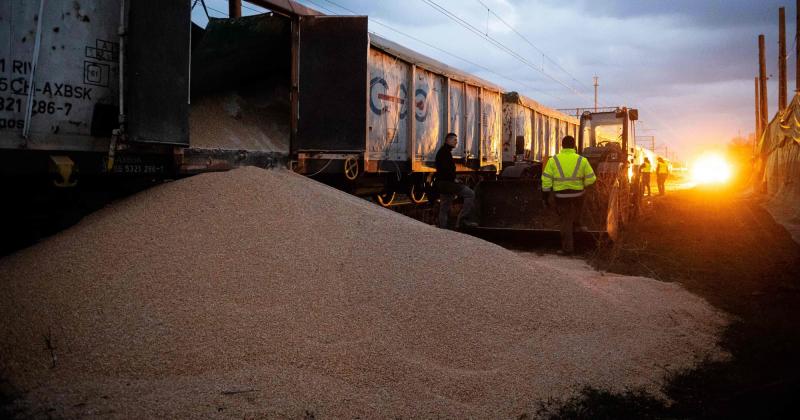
[157,89]
[333,83]
[194,161]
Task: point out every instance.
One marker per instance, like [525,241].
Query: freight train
[118,90]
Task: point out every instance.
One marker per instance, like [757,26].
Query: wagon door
[332,83]
[157,71]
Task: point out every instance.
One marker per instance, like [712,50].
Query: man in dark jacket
[449,188]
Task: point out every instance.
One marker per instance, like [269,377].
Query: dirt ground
[730,251]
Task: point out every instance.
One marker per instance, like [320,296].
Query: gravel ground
[258,293]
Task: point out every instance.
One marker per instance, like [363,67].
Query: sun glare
[711,169]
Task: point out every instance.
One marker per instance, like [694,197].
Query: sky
[687,65]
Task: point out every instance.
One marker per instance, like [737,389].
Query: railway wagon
[104,97]
[93,88]
[410,103]
[119,88]
[531,134]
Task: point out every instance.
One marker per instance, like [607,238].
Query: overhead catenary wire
[528,41]
[666,127]
[225,14]
[428,44]
[460,21]
[325,8]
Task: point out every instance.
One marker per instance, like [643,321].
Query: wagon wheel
[417,193]
[386,199]
[351,168]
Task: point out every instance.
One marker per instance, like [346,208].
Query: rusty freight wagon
[400,106]
[362,113]
[531,134]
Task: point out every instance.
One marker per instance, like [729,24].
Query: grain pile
[240,121]
[263,293]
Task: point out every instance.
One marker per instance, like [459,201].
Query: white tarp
[779,153]
[388,108]
[492,129]
[428,104]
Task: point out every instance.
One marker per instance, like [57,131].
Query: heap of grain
[252,121]
[260,292]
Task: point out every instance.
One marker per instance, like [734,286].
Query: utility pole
[235,8]
[758,113]
[596,85]
[763,109]
[782,83]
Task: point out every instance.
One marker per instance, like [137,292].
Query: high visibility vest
[567,171]
[646,167]
[662,168]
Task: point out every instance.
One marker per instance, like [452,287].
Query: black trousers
[569,212]
[661,179]
[448,191]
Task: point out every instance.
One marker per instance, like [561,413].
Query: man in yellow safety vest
[565,178]
[662,173]
[645,170]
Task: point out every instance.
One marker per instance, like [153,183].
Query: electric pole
[782,83]
[762,84]
[758,114]
[235,8]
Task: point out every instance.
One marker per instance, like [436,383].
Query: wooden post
[235,8]
[294,88]
[762,84]
[758,111]
[782,82]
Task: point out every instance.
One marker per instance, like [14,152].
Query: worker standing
[644,172]
[565,178]
[662,173]
[449,188]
